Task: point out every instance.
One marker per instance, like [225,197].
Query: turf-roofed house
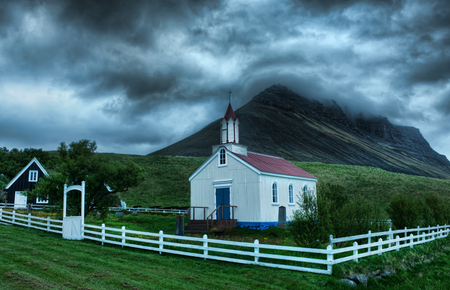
[26,179]
[243,188]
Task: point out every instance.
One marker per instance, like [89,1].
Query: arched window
[274,193]
[305,192]
[222,157]
[291,193]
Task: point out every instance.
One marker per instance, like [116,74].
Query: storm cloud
[139,75]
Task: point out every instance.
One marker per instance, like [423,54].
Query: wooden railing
[192,209]
[210,218]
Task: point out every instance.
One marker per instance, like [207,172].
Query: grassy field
[32,259]
[166,181]
[46,261]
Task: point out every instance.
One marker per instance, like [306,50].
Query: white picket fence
[284,257]
[45,224]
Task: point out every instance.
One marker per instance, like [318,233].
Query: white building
[264,189]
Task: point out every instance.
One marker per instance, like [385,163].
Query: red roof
[230,113]
[273,164]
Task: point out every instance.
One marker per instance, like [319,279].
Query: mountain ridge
[279,122]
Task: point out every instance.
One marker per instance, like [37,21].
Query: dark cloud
[148,73]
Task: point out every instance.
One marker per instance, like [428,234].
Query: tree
[103,178]
[311,223]
[12,161]
[3,183]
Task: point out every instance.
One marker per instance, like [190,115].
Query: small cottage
[25,180]
[256,190]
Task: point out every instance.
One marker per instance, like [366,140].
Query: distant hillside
[279,122]
[166,181]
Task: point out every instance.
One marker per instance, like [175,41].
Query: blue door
[223,198]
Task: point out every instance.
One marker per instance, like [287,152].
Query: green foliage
[14,160]
[104,178]
[430,209]
[333,212]
[306,226]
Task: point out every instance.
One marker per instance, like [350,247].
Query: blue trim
[257,225]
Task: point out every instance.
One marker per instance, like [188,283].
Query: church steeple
[229,127]
[229,132]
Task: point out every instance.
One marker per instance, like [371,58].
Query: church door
[223,198]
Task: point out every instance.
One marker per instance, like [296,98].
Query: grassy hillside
[166,181]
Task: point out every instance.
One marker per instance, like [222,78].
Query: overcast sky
[136,76]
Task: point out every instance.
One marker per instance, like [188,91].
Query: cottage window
[291,193]
[274,193]
[33,177]
[222,157]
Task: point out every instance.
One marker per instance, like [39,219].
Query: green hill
[166,181]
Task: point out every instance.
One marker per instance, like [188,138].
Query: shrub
[405,211]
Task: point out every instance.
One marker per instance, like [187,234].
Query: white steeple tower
[229,132]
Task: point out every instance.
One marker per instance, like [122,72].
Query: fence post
[418,232]
[331,241]
[423,237]
[432,236]
[391,236]
[103,234]
[29,219]
[355,252]
[369,240]
[429,230]
[205,246]
[256,246]
[397,243]
[161,240]
[1,213]
[406,233]
[48,224]
[330,258]
[123,236]
[411,240]
[380,247]
[14,217]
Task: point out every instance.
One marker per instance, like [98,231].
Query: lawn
[32,259]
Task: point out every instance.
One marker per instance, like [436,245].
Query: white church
[256,190]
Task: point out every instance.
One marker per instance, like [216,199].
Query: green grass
[32,259]
[374,184]
[46,261]
[425,266]
[166,181]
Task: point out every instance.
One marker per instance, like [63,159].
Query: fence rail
[138,209]
[45,224]
[284,257]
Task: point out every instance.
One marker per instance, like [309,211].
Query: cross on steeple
[229,97]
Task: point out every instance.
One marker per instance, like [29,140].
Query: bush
[305,227]
[332,212]
[405,211]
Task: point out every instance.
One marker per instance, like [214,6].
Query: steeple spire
[229,131]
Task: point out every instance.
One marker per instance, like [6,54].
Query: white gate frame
[81,188]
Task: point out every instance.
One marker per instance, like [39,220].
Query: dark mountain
[279,122]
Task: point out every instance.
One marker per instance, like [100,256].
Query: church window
[291,193]
[274,193]
[33,177]
[222,157]
[305,192]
